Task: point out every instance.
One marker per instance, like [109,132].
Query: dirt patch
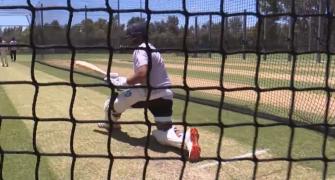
[233,69]
[250,62]
[276,75]
[236,63]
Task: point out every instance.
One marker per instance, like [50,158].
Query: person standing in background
[13,48]
[3,52]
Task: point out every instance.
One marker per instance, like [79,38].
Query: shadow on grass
[133,141]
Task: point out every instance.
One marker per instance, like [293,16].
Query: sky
[19,16]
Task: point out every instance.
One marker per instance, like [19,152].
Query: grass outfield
[305,67]
[15,136]
[236,141]
[244,80]
[240,80]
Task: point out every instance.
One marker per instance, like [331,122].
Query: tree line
[234,33]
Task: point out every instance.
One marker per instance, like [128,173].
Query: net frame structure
[328,89]
[11,13]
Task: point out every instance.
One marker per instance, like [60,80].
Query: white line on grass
[258,152]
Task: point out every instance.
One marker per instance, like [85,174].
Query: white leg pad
[106,108]
[124,101]
[127,98]
[169,138]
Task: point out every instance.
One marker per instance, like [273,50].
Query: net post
[318,44]
[244,33]
[264,33]
[310,34]
[118,13]
[289,39]
[42,30]
[141,9]
[210,35]
[85,24]
[226,32]
[196,36]
[42,16]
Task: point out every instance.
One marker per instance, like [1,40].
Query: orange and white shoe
[192,144]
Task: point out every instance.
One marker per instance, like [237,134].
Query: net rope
[185,9]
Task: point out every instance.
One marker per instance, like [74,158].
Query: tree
[54,33]
[233,33]
[172,24]
[135,20]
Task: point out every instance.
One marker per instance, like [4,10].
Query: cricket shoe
[193,147]
[106,125]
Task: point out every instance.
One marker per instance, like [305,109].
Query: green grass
[65,75]
[248,81]
[298,115]
[282,112]
[84,79]
[15,136]
[306,143]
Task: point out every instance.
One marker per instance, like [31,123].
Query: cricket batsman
[161,100]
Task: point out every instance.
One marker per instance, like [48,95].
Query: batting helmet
[137,30]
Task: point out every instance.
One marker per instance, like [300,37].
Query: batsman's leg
[120,103]
[109,111]
[167,134]
[174,138]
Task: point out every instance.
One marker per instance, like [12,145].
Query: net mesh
[268,59]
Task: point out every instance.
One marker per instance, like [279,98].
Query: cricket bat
[94,68]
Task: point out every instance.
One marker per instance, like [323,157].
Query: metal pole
[225,29]
[85,24]
[42,19]
[42,31]
[318,58]
[210,35]
[118,12]
[141,8]
[289,38]
[27,17]
[264,35]
[196,35]
[310,34]
[226,33]
[244,33]
[85,13]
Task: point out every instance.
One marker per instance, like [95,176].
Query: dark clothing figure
[13,48]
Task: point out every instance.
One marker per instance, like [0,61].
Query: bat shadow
[153,145]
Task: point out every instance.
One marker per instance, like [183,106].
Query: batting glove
[119,81]
[112,76]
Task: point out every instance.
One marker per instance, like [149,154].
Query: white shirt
[13,43]
[158,74]
[3,50]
